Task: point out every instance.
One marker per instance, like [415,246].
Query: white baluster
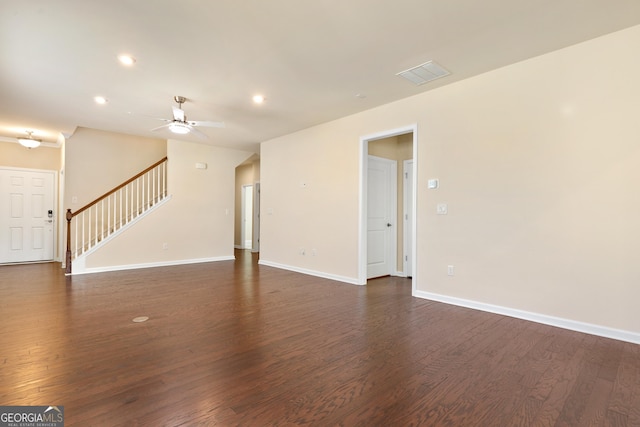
[75,247]
[108,215]
[82,240]
[102,218]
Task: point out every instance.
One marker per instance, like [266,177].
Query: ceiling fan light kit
[179,124]
[179,128]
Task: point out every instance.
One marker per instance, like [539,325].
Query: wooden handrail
[70,215]
[110,192]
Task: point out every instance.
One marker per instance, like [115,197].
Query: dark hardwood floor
[237,344]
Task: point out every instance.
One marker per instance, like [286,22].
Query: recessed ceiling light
[100,100]
[258,99]
[127,59]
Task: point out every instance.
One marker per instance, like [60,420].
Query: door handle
[388,224]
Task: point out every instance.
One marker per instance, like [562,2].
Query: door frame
[362,199]
[407,218]
[256,218]
[56,254]
[244,217]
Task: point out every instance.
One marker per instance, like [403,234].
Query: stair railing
[110,212]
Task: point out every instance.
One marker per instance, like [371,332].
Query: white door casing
[256,217]
[381,216]
[408,218]
[27,216]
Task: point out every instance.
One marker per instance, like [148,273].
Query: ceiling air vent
[424,73]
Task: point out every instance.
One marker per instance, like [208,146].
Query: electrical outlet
[450,270]
[442,208]
[165,246]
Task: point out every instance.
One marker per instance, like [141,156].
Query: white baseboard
[573,325]
[350,280]
[91,270]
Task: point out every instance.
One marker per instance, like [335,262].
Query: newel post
[68,256]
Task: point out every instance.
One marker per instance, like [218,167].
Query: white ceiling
[309,58]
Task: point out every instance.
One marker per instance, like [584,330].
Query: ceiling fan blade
[161,127]
[208,123]
[178,114]
[146,116]
[197,133]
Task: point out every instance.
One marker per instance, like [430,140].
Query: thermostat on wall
[201,165]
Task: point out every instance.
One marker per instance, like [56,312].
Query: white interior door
[381,208]
[27,215]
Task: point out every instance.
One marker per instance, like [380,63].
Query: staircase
[99,221]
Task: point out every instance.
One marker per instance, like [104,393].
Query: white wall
[196,224]
[538,163]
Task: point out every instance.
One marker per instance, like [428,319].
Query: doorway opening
[387,204]
[247,205]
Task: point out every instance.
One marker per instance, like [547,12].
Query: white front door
[26,215]
[381,208]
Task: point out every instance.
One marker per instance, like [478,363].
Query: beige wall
[196,224]
[538,163]
[309,199]
[16,156]
[97,161]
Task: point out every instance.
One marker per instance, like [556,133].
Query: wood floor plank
[234,343]
[565,379]
[596,405]
[634,407]
[625,382]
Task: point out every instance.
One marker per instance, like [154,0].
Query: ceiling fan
[180,125]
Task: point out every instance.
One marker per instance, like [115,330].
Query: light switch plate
[442,209]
